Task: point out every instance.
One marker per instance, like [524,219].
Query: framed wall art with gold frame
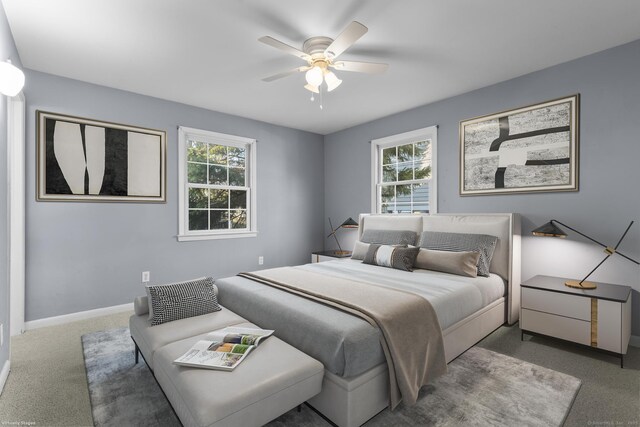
[529,149]
[85,160]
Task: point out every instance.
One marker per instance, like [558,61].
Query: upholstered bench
[273,379]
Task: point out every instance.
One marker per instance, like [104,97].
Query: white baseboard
[634,341]
[66,318]
[4,374]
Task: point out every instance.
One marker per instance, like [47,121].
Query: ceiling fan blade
[284,47]
[361,67]
[285,74]
[349,36]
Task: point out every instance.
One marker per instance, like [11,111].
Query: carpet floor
[481,388]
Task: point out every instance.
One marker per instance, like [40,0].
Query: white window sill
[216,236]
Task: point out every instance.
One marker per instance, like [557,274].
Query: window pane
[196,173]
[421,150]
[238,199]
[237,157]
[238,218]
[219,199]
[405,171]
[219,220]
[423,170]
[389,173]
[421,198]
[405,153]
[403,193]
[198,198]
[387,208]
[388,194]
[218,175]
[389,156]
[403,208]
[236,177]
[196,151]
[198,220]
[218,154]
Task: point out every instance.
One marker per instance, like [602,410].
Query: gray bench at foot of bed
[273,379]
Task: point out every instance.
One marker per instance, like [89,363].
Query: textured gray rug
[482,388]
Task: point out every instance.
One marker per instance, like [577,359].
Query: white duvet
[452,297]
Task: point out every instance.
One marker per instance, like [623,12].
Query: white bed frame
[350,402]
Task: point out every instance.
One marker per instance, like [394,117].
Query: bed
[356,383]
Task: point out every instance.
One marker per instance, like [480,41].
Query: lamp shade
[332,80]
[314,76]
[312,88]
[11,79]
[549,230]
[349,223]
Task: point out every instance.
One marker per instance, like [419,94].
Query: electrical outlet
[260,260]
[146,276]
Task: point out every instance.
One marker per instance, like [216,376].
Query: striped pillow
[389,237]
[462,242]
[182,300]
[400,258]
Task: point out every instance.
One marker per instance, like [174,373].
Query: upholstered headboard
[506,257]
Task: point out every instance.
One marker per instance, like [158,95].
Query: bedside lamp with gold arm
[349,223]
[550,229]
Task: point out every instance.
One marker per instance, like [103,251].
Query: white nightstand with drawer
[599,318]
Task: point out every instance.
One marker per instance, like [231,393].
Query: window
[217,189]
[404,172]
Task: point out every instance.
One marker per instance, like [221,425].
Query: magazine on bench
[223,349]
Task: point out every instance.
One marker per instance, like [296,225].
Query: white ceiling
[205,53]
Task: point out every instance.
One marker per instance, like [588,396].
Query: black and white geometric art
[88,160]
[530,149]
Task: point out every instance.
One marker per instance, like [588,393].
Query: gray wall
[82,256]
[7,50]
[609,173]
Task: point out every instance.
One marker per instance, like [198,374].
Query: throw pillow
[459,242]
[400,258]
[459,263]
[359,250]
[389,237]
[182,300]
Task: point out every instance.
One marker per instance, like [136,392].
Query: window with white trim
[217,190]
[404,172]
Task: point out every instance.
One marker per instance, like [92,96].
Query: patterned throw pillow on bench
[181,300]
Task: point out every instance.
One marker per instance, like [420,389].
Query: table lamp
[349,223]
[550,229]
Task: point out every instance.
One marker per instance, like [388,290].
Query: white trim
[4,374]
[634,341]
[16,210]
[216,138]
[81,315]
[431,133]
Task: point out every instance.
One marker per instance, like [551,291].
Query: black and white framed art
[529,149]
[87,160]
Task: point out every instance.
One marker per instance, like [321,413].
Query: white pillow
[359,250]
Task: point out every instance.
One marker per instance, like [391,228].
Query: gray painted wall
[82,256]
[7,50]
[609,172]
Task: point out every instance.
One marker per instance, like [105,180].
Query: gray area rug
[482,388]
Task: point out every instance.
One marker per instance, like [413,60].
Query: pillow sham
[359,250]
[460,263]
[389,237]
[462,242]
[183,299]
[398,257]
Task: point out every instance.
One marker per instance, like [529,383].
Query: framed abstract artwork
[530,149]
[86,160]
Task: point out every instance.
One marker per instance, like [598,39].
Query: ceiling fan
[321,54]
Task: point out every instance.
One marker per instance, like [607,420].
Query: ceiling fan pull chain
[320,97]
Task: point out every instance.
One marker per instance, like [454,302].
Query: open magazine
[223,349]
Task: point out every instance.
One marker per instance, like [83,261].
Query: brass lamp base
[577,284]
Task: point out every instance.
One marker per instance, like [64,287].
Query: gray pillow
[459,263]
[389,237]
[400,258]
[182,300]
[359,250]
[459,242]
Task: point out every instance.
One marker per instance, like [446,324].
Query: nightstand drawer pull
[594,322]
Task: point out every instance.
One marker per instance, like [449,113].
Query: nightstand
[322,256]
[599,318]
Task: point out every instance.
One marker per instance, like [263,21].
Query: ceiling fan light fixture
[312,88]
[314,76]
[332,80]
